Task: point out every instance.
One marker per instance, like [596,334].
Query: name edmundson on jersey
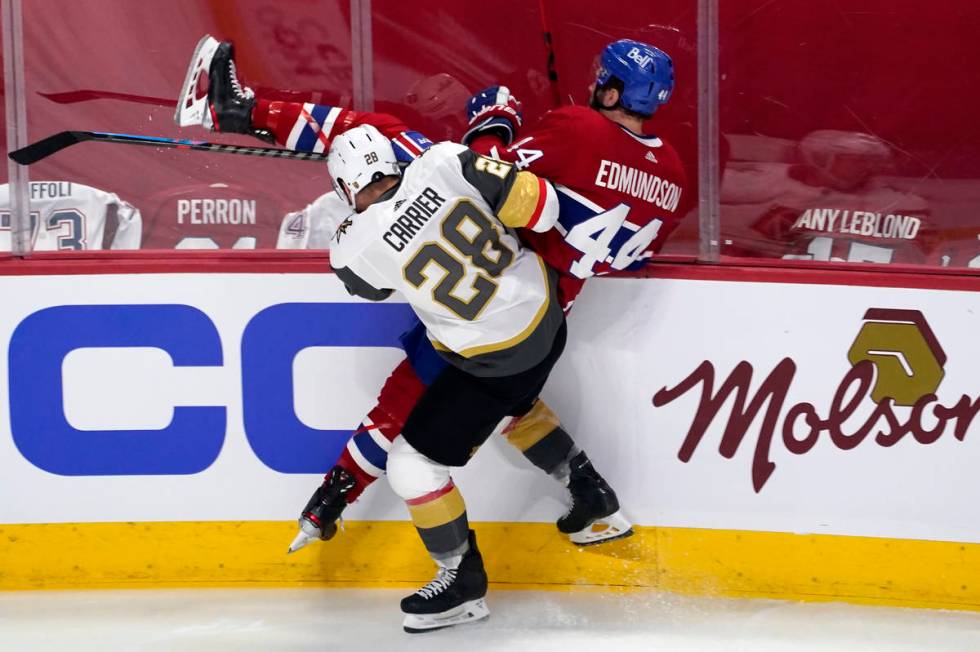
[637,183]
[410,222]
[866,223]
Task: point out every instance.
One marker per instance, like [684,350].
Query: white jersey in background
[441,238]
[70,216]
[314,226]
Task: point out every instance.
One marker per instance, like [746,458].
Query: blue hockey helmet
[646,72]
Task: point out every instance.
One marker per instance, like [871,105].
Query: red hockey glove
[493,109]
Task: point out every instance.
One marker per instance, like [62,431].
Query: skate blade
[602,530]
[192,109]
[301,541]
[468,612]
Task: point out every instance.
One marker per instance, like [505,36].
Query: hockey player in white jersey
[69,216]
[438,233]
[593,516]
[315,225]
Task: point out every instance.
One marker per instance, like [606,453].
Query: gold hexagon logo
[905,352]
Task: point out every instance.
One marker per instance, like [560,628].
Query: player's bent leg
[363,460]
[366,454]
[594,515]
[541,439]
[212,96]
[456,595]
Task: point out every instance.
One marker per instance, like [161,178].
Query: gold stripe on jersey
[533,427]
[522,201]
[520,337]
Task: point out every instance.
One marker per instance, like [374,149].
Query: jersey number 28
[465,247]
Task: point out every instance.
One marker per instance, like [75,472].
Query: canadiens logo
[896,361]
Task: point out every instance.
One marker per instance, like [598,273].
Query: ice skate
[212,95]
[192,104]
[319,518]
[454,597]
[594,515]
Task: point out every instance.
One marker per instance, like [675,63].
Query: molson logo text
[896,360]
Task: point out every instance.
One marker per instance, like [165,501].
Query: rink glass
[812,134]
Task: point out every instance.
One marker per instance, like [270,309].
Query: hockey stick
[59,141]
[72,97]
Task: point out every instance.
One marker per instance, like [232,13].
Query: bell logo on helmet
[642,59]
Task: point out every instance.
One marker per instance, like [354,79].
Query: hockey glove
[493,109]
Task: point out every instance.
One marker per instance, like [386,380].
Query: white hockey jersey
[70,216]
[441,238]
[314,226]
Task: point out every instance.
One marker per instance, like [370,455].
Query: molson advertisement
[896,362]
[766,438]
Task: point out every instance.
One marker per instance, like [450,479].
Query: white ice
[349,620]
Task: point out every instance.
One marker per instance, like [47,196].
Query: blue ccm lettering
[193,440]
[270,344]
[40,430]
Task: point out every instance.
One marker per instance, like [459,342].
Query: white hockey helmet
[359,157]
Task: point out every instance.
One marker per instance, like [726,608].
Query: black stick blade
[46,147]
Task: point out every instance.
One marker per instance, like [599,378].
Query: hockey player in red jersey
[834,203]
[621,190]
[620,193]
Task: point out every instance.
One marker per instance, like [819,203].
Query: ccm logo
[195,435]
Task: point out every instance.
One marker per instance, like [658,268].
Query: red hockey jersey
[213,216]
[621,193]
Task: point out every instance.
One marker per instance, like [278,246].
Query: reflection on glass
[69,216]
[833,197]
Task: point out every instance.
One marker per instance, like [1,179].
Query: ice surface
[358,619]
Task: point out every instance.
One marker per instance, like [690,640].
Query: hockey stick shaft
[59,141]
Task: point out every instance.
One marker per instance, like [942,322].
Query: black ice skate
[454,597]
[212,95]
[594,515]
[319,518]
